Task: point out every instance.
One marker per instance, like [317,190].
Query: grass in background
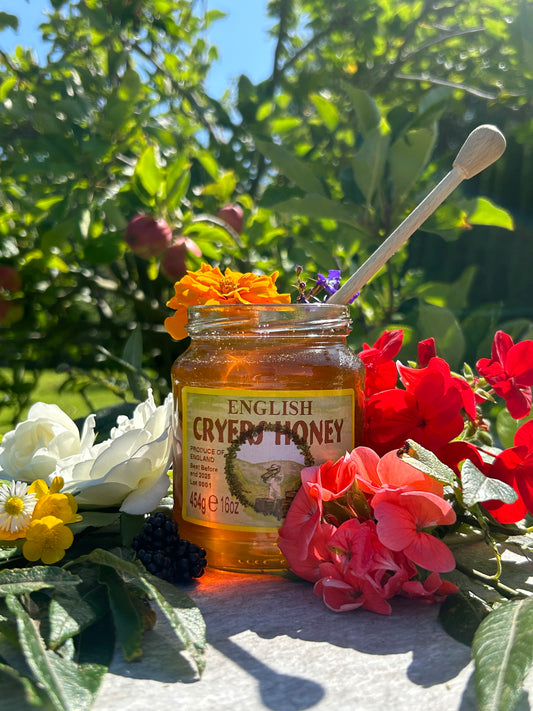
[73,403]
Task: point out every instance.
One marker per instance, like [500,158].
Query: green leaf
[503,654]
[128,622]
[461,614]
[7,20]
[292,168]
[183,615]
[17,688]
[507,426]
[148,172]
[366,110]
[327,111]
[423,459]
[408,156]
[73,610]
[477,487]
[20,581]
[70,687]
[177,182]
[318,208]
[132,354]
[484,212]
[440,322]
[368,164]
[454,295]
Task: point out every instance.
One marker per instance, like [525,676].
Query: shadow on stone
[279,692]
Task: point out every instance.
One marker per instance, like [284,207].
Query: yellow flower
[52,503]
[58,505]
[17,503]
[209,286]
[47,538]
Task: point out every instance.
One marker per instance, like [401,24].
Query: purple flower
[331,283]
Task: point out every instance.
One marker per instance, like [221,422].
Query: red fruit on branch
[148,236]
[233,215]
[10,279]
[174,260]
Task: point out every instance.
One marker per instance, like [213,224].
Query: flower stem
[490,581]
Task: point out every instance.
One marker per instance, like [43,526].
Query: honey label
[243,450]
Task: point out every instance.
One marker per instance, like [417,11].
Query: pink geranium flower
[374,473]
[402,517]
[509,371]
[433,589]
[331,479]
[362,572]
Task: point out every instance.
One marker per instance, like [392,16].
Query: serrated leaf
[184,617]
[20,581]
[73,610]
[69,686]
[477,487]
[298,171]
[503,654]
[17,688]
[461,614]
[128,622]
[423,459]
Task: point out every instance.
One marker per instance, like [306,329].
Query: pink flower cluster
[358,528]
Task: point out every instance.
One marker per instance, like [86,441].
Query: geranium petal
[430,553]
[396,527]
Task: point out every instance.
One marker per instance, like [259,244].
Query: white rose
[129,469]
[31,451]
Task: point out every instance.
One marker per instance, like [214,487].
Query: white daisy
[16,506]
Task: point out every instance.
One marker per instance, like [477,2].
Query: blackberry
[164,554]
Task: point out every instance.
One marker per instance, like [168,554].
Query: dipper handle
[483,146]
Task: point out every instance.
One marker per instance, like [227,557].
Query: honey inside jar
[261,392]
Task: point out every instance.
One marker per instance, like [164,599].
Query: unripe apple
[233,215]
[148,236]
[174,260]
[10,279]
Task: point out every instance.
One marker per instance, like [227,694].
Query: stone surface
[272,644]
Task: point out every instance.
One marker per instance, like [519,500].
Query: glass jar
[262,391]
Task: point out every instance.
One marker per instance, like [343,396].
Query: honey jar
[261,392]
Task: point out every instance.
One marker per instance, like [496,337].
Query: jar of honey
[261,392]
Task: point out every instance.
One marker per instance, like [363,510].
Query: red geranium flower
[411,376]
[509,371]
[380,370]
[514,466]
[427,412]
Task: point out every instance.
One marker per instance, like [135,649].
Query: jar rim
[268,319]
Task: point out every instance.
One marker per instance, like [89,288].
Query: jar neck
[261,321]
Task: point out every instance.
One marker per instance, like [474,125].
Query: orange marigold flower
[209,286]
